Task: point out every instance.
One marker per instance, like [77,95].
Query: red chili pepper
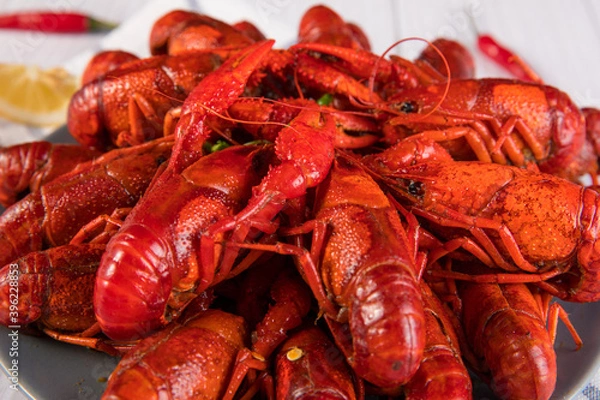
[56,22]
[506,59]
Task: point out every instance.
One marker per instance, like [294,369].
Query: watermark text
[13,316]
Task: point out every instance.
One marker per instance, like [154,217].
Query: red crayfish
[499,120]
[24,168]
[52,215]
[511,218]
[128,105]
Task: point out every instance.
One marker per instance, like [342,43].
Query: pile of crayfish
[240,221]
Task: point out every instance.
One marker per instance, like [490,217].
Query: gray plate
[53,370]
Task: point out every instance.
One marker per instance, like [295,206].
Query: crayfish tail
[387,322]
[133,286]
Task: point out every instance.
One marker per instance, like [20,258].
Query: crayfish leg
[556,312]
[90,342]
[446,216]
[493,277]
[475,140]
[171,118]
[307,269]
[552,313]
[108,224]
[143,119]
[245,361]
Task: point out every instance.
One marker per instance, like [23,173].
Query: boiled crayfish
[311,221]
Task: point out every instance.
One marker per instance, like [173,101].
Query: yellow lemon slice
[33,96]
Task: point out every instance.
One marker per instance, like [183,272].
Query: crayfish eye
[416,188]
[408,107]
[160,160]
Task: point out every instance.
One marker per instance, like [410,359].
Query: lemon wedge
[34,96]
